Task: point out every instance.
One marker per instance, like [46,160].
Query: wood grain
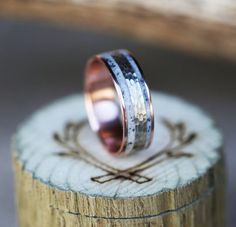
[65,178]
[204,27]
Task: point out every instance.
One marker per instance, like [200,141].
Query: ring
[118,102]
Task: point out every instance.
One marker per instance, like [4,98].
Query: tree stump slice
[65,178]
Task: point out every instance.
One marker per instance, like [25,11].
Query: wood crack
[202,196]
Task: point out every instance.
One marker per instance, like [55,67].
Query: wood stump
[65,178]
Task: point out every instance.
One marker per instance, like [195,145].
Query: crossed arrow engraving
[179,139]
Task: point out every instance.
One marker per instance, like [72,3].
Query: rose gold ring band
[118,102]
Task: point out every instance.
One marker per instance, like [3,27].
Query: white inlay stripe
[120,79]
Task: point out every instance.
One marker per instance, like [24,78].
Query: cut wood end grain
[64,175]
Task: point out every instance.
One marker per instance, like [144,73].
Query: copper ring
[118,102]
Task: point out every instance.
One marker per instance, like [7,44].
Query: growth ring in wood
[179,181]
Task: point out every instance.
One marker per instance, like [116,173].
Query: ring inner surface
[104,109]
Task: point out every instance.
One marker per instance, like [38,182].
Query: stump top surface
[58,147]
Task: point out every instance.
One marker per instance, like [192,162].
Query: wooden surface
[206,27]
[70,180]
